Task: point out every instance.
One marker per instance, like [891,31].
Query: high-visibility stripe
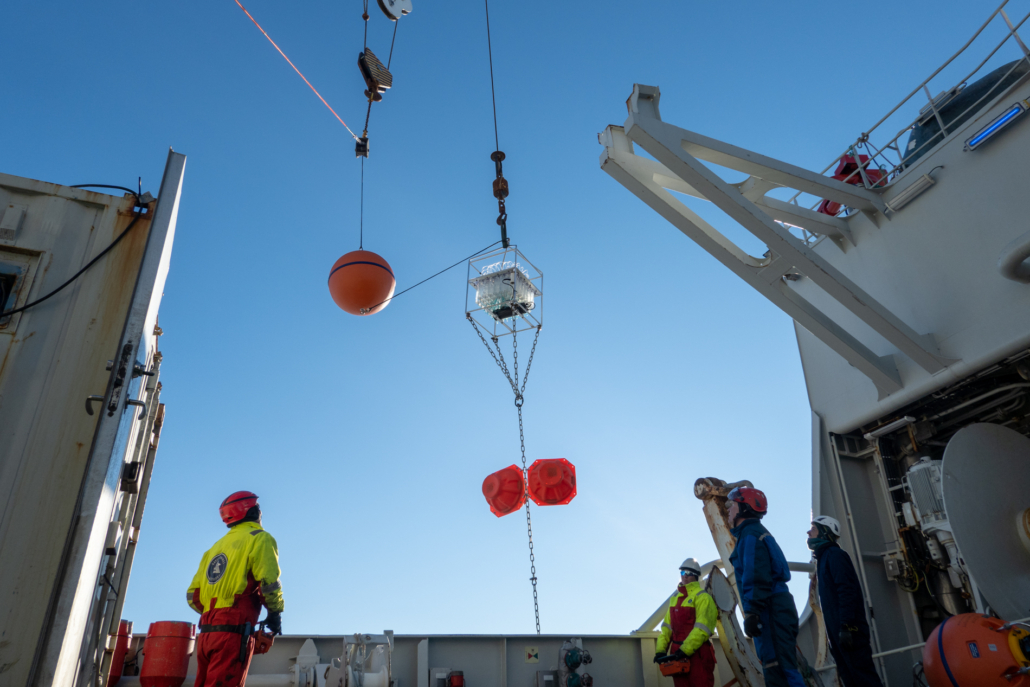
[269,588]
[704,627]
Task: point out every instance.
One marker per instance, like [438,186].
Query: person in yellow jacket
[688,624]
[237,575]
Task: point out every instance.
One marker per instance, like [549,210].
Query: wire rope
[361,221]
[490,55]
[389,60]
[297,70]
[478,252]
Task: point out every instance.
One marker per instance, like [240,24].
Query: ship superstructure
[902,265]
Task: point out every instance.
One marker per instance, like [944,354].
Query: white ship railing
[888,159]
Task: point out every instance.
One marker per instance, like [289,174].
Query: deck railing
[887,158]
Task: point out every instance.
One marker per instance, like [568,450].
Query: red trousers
[702,668]
[218,653]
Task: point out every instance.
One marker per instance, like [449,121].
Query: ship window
[15,277]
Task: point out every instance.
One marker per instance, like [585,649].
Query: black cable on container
[92,262]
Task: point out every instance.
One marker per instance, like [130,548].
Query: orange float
[974,649]
[505,491]
[552,482]
[361,282]
[121,647]
[166,653]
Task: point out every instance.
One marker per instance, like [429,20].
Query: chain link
[519,400]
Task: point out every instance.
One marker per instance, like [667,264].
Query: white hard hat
[692,565]
[829,523]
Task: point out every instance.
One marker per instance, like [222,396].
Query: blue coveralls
[840,597]
[762,575]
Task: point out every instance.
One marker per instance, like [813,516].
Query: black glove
[752,626]
[274,622]
[658,657]
[846,638]
[679,656]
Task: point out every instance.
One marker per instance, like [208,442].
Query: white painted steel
[1013,261]
[59,467]
[74,599]
[497,660]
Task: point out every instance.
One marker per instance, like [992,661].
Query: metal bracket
[141,404]
[89,403]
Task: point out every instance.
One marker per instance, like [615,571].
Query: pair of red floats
[552,482]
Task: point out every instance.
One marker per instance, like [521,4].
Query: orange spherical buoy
[505,491]
[552,482]
[361,282]
[972,649]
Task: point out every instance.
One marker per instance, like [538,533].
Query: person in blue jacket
[770,616]
[840,597]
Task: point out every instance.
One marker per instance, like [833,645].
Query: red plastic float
[972,649]
[552,482]
[505,491]
[121,646]
[847,171]
[166,654]
[361,283]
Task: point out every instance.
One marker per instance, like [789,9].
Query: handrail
[878,156]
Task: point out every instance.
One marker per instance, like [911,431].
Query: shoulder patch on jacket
[256,532]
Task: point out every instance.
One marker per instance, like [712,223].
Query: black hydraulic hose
[139,212]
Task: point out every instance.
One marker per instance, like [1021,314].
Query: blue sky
[368,438]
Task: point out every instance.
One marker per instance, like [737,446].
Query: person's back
[770,616]
[843,606]
[236,576]
[765,572]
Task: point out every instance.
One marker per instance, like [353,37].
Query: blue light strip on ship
[995,126]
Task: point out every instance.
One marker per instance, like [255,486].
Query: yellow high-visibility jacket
[244,561]
[706,614]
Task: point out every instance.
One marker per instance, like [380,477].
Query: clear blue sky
[368,438]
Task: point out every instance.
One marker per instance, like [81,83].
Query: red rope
[296,70]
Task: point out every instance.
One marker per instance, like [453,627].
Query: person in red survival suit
[237,575]
[687,627]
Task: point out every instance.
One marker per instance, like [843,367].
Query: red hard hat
[235,506]
[750,497]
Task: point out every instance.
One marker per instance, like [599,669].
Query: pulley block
[377,77]
[395,9]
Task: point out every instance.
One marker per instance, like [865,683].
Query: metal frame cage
[504,292]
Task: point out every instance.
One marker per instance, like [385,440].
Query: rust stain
[7,355]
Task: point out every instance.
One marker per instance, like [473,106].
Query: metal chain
[519,400]
[532,352]
[529,522]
